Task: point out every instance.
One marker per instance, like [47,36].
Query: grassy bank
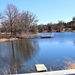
[70,64]
[8,37]
[26,35]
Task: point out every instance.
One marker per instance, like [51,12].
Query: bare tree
[11,13]
[1,20]
[6,26]
[16,22]
[1,17]
[27,19]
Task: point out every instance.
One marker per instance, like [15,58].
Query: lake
[20,56]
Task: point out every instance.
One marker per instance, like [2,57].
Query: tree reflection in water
[18,52]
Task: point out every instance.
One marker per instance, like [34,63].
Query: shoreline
[25,36]
[20,37]
[7,39]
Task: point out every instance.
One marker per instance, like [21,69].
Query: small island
[17,25]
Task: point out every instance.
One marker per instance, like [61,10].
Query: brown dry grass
[70,64]
[7,39]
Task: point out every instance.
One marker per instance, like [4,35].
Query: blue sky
[46,10]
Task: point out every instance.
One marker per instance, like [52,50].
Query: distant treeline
[59,27]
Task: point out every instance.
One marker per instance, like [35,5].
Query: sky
[46,11]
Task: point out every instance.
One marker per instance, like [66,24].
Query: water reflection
[14,53]
[24,49]
[21,55]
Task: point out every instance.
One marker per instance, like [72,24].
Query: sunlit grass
[70,64]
